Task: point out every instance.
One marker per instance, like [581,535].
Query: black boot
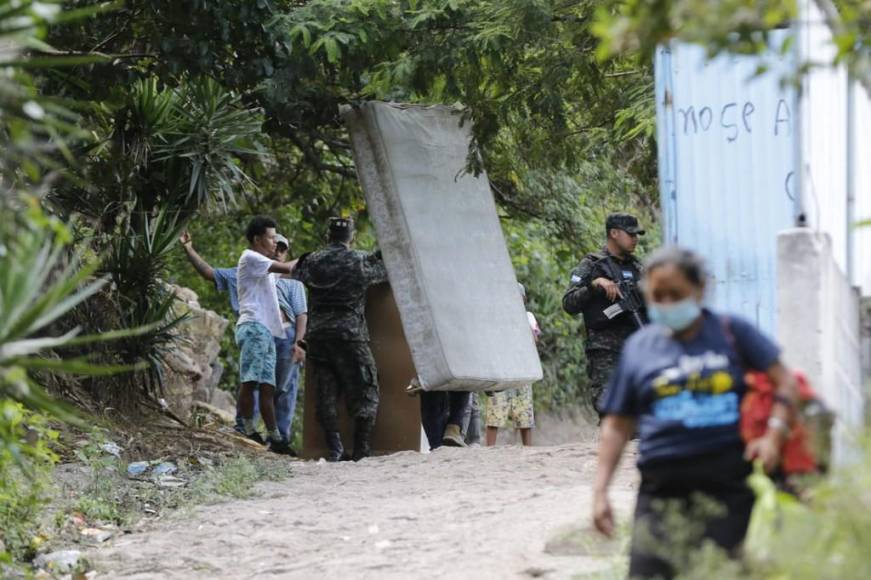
[362,433]
[334,444]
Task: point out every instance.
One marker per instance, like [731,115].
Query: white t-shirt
[258,299]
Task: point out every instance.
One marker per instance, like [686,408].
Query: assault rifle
[630,301]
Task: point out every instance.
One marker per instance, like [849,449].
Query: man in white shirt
[258,325]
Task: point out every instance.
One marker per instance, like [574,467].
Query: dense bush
[26,464]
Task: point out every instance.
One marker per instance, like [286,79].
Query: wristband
[778,424]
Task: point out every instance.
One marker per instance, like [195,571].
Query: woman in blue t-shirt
[679,384]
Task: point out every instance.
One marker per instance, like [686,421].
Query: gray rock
[223,400]
[96,534]
[61,562]
[202,394]
[215,378]
[191,363]
[211,413]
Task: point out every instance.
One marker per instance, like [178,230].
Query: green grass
[234,478]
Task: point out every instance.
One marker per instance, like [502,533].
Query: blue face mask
[678,316]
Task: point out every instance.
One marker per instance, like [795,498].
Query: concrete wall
[865,342]
[818,326]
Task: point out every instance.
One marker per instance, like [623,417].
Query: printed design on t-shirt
[697,392]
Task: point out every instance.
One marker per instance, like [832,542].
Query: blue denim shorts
[257,353]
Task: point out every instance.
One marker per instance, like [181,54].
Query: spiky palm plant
[167,153]
[136,264]
[40,284]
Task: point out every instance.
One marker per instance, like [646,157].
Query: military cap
[279,239]
[338,224]
[623,221]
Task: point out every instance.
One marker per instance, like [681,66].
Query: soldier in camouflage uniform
[594,289]
[337,278]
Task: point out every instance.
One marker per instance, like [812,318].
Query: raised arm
[200,265]
[283,268]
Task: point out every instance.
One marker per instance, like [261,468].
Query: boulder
[61,562]
[192,363]
[224,401]
[212,414]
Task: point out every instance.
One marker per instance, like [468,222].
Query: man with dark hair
[595,291]
[292,300]
[259,324]
[337,278]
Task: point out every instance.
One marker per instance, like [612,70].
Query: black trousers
[683,503]
[438,409]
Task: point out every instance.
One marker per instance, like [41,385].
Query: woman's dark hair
[258,226]
[691,265]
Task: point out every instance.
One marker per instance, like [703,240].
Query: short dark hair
[690,264]
[258,226]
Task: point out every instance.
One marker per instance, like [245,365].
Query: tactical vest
[604,266]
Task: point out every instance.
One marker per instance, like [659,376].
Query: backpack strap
[726,325]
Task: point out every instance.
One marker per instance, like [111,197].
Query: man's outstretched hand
[185,238]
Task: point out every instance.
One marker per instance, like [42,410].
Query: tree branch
[314,160]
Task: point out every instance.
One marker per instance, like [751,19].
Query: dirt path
[454,513]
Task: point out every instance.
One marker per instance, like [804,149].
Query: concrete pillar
[818,326]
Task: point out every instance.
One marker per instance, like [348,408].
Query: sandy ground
[453,513]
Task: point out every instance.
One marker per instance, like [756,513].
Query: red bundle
[798,455]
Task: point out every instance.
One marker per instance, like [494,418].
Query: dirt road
[453,513]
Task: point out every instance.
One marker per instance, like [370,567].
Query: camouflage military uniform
[605,337]
[338,339]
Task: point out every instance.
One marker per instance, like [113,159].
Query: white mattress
[449,268]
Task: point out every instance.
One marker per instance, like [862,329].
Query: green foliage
[740,26]
[135,265]
[41,284]
[26,463]
[827,537]
[34,129]
[524,71]
[159,155]
[163,149]
[563,136]
[520,67]
[561,346]
[544,267]
[824,535]
[102,497]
